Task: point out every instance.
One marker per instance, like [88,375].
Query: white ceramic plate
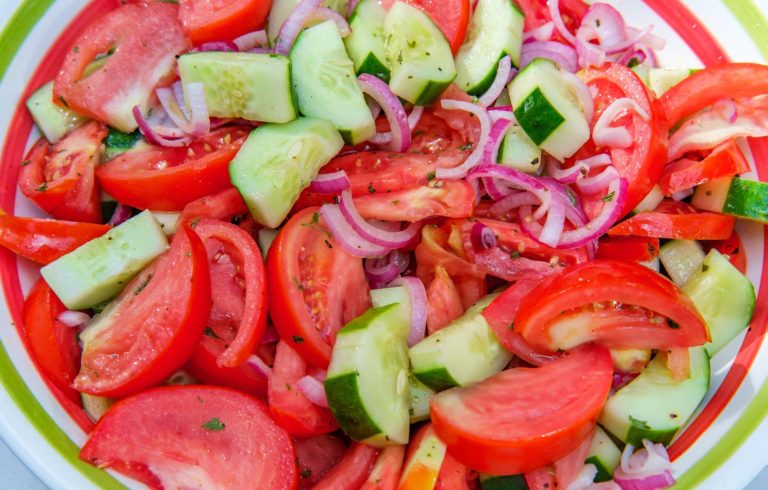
[722,449]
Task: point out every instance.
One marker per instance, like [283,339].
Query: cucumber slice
[395,295]
[53,120]
[419,395]
[118,142]
[662,79]
[547,110]
[654,406]
[735,196]
[723,296]
[640,70]
[95,406]
[265,238]
[98,270]
[518,151]
[418,55]
[495,31]
[423,464]
[465,351]
[169,222]
[681,258]
[507,482]
[365,44]
[604,454]
[630,360]
[650,201]
[281,9]
[367,383]
[325,84]
[251,86]
[278,161]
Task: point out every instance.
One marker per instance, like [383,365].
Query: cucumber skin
[507,482]
[537,117]
[603,474]
[373,66]
[438,379]
[352,416]
[484,84]
[638,431]
[431,93]
[748,199]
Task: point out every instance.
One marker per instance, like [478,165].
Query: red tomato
[494,427]
[222,206]
[635,248]
[541,478]
[316,456]
[726,160]
[385,473]
[52,345]
[60,178]
[315,287]
[166,179]
[616,303]
[193,436]
[153,327]
[138,36]
[537,13]
[451,16]
[289,407]
[733,248]
[416,475]
[450,199]
[443,301]
[705,87]
[352,471]
[221,20]
[568,467]
[677,220]
[643,162]
[45,240]
[453,475]
[435,250]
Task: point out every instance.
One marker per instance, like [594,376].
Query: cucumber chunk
[118,142]
[723,296]
[604,454]
[650,201]
[507,482]
[53,120]
[465,351]
[418,55]
[278,161]
[662,79]
[365,44]
[281,9]
[735,196]
[519,152]
[399,296]
[419,396]
[495,31]
[681,258]
[367,383]
[325,83]
[265,238]
[547,109]
[654,406]
[95,406]
[169,222]
[251,86]
[98,270]
[630,360]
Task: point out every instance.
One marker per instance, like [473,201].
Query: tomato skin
[352,470]
[385,473]
[185,436]
[316,456]
[221,20]
[52,345]
[453,475]
[629,284]
[315,287]
[202,366]
[222,206]
[59,178]
[155,326]
[635,248]
[443,301]
[537,13]
[726,160]
[167,179]
[679,221]
[492,427]
[451,199]
[45,240]
[733,248]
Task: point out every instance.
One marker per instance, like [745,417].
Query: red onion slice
[384,270]
[418,296]
[557,19]
[680,195]
[599,182]
[514,201]
[611,211]
[194,121]
[293,25]
[605,23]
[648,468]
[542,33]
[605,135]
[582,93]
[560,53]
[475,157]
[584,479]
[270,335]
[503,75]
[251,40]
[154,137]
[351,6]
[323,14]
[398,122]
[495,189]
[568,175]
[223,46]
[727,108]
[496,136]
[385,138]
[332,183]
[514,178]
[313,390]
[482,237]
[258,365]
[553,225]
[120,215]
[72,318]
[346,236]
[371,233]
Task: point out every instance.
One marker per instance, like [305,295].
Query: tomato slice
[385,473]
[192,436]
[60,178]
[635,248]
[451,16]
[316,456]
[449,199]
[453,475]
[45,240]
[541,478]
[619,304]
[166,179]
[537,13]
[726,160]
[153,327]
[221,20]
[677,220]
[52,344]
[133,37]
[289,407]
[223,206]
[733,249]
[568,467]
[494,427]
[315,287]
[443,301]
[352,470]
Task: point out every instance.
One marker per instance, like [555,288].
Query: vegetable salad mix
[385,244]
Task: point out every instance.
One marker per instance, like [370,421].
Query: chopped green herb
[371,189]
[143,284]
[673,324]
[214,424]
[466,147]
[431,176]
[194,222]
[42,187]
[315,218]
[704,267]
[297,339]
[608,197]
[306,473]
[208,332]
[297,283]
[25,163]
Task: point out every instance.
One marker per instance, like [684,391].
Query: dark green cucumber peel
[537,117]
[373,66]
[507,482]
[438,379]
[342,392]
[640,430]
[747,198]
[431,93]
[603,473]
[485,83]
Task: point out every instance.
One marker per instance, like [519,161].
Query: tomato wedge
[449,199]
[221,20]
[153,327]
[494,427]
[134,37]
[635,248]
[352,470]
[537,13]
[45,240]
[619,304]
[193,436]
[315,287]
[166,179]
[443,301]
[316,456]
[385,473]
[453,475]
[733,249]
[677,220]
[726,160]
[60,178]
[451,16]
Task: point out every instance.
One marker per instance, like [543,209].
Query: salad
[385,244]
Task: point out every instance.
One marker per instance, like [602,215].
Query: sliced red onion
[645,469]
[475,157]
[270,335]
[386,138]
[728,109]
[496,136]
[611,211]
[383,270]
[258,365]
[557,19]
[514,201]
[502,112]
[604,22]
[224,46]
[418,295]
[195,121]
[560,53]
[371,233]
[503,75]
[482,237]
[121,214]
[495,189]
[605,135]
[542,33]
[651,40]
[621,379]
[568,175]
[346,236]
[293,25]
[73,318]
[680,195]
[599,182]
[589,54]
[633,53]
[629,42]
[582,93]
[398,121]
[332,183]
[323,14]
[519,347]
[152,136]
[574,213]
[553,225]
[251,40]
[513,178]
[313,390]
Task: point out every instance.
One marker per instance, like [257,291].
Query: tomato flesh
[726,160]
[352,470]
[221,20]
[636,248]
[677,220]
[316,456]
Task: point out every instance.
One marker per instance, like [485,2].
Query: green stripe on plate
[39,418]
[17,29]
[751,18]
